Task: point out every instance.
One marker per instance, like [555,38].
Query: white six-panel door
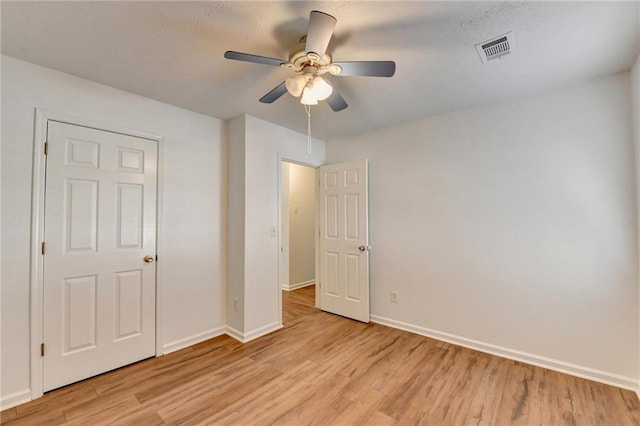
[100,223]
[344,240]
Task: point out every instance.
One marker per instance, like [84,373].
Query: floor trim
[192,340]
[259,332]
[235,334]
[296,286]
[540,361]
[252,335]
[15,398]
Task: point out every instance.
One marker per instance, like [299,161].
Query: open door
[344,240]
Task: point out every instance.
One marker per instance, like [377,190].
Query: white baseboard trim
[296,286]
[192,340]
[258,332]
[233,333]
[16,398]
[540,361]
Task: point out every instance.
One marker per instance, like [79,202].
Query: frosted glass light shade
[308,97]
[321,89]
[295,85]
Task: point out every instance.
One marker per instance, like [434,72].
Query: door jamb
[316,167]
[42,117]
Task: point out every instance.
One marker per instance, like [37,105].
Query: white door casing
[284,225]
[99,224]
[344,240]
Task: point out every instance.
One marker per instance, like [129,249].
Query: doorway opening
[298,232]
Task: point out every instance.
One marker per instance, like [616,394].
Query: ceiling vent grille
[496,48]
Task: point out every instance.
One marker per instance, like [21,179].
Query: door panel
[344,240]
[100,222]
[79,313]
[129,308]
[81,214]
[129,213]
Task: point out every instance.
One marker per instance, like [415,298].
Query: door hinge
[46,148]
[41,349]
[42,247]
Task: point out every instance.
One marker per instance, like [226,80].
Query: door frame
[36,280]
[282,158]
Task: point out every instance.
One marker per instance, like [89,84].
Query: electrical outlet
[236,304]
[394,297]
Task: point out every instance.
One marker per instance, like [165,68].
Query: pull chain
[307,108]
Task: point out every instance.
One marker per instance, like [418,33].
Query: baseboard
[192,340]
[296,286]
[258,332]
[232,332]
[540,361]
[14,399]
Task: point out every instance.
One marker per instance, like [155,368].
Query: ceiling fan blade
[336,101]
[367,68]
[319,32]
[247,57]
[274,94]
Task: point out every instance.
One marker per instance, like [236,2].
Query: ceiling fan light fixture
[295,85]
[321,89]
[308,96]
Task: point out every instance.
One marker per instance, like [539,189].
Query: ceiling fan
[310,62]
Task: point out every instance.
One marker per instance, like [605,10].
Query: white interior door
[344,240]
[100,223]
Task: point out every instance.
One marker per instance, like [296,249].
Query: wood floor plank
[322,369]
[515,404]
[220,372]
[204,403]
[484,403]
[50,408]
[108,410]
[449,403]
[8,414]
[363,408]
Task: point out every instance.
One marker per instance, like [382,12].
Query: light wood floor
[328,370]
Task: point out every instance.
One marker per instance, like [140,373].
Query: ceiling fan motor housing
[304,63]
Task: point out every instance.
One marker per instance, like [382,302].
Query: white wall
[236,233]
[512,228]
[302,224]
[264,145]
[192,259]
[635,97]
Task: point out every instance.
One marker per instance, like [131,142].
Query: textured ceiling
[173,52]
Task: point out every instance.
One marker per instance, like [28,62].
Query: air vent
[496,48]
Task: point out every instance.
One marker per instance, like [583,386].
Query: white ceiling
[173,52]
